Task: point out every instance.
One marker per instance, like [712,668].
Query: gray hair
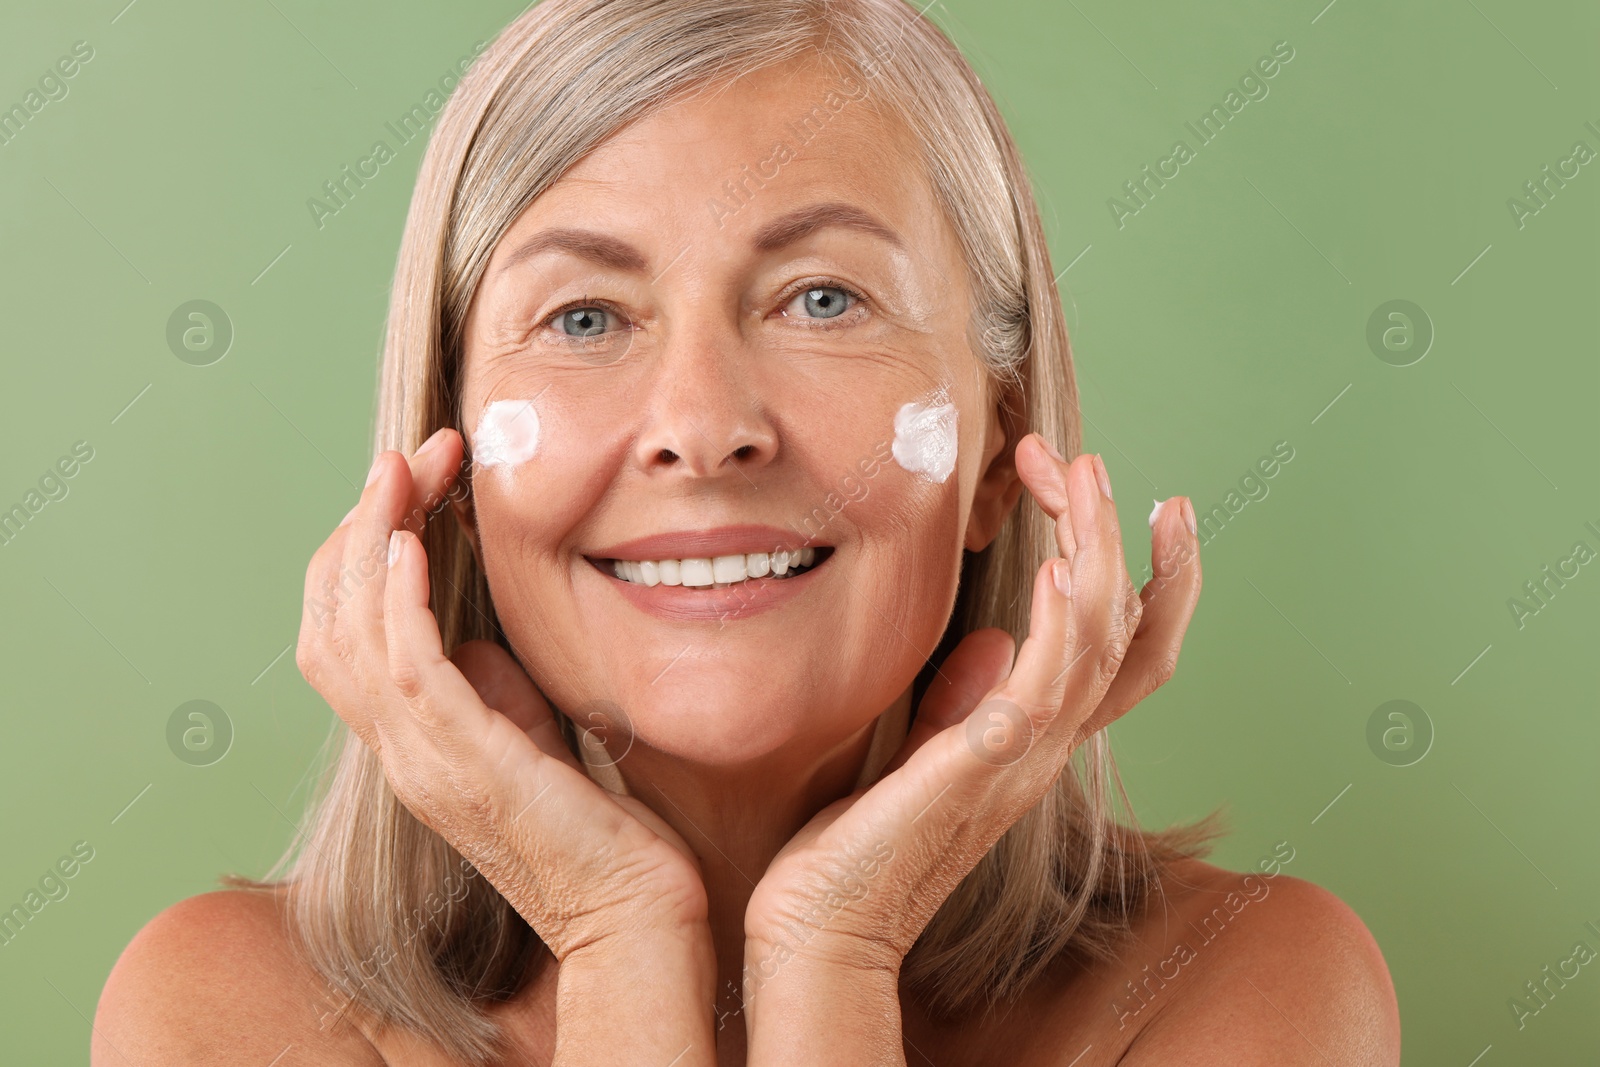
[369,882]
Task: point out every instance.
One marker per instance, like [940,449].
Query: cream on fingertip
[1155,511]
[394,546]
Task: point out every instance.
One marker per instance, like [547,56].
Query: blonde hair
[557,82]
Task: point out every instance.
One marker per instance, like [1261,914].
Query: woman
[723,346]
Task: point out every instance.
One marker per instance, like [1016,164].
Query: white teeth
[696,572]
[716,572]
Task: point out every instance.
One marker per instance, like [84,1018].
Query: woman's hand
[471,748]
[844,901]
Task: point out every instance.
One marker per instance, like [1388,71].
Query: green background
[1228,314]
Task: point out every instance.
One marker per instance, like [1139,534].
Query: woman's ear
[999,484]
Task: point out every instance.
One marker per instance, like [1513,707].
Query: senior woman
[715,693]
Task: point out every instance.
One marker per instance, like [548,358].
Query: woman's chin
[714,724]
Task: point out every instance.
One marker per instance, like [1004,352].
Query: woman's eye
[584,321]
[820,302]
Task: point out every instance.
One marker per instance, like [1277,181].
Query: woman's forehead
[783,135]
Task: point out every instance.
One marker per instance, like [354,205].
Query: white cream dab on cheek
[925,436]
[508,434]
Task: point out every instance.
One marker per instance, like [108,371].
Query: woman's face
[713,338]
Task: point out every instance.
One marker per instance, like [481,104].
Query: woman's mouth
[702,575]
[716,572]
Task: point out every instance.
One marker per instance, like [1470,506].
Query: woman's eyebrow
[786,229]
[586,244]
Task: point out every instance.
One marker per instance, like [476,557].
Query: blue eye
[584,321]
[826,302]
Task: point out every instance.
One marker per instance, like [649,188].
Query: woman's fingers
[1125,606]
[1088,631]
[1169,599]
[1077,634]
[504,686]
[342,612]
[438,699]
[1045,473]
[435,471]
[318,610]
[357,628]
[400,493]
[322,583]
[1038,682]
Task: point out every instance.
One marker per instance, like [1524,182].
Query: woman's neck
[737,819]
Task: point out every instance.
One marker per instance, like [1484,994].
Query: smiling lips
[727,572]
[717,571]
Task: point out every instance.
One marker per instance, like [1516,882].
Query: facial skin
[718,395]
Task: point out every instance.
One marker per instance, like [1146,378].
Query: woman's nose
[703,416]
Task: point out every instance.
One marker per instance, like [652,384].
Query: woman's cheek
[507,435]
[875,460]
[926,436]
[901,500]
[543,449]
[538,467]
[924,513]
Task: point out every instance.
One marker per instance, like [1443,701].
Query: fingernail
[1051,448]
[1100,473]
[1154,512]
[351,515]
[394,547]
[1061,573]
[1188,514]
[429,444]
[372,475]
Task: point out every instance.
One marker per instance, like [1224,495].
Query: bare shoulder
[213,980]
[1246,968]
